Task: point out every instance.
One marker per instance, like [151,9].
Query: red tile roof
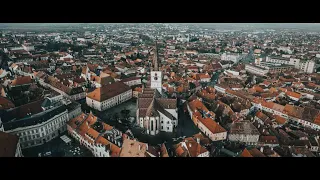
[21,80]
[108,91]
[5,103]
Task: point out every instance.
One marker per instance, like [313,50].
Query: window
[168,122]
[151,125]
[168,128]
[161,122]
[161,127]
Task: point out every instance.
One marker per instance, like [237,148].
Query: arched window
[151,125]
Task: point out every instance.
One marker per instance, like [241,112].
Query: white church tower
[156,75]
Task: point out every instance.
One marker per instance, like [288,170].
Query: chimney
[261,149]
[190,145]
[198,140]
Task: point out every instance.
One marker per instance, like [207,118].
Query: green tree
[125,113]
[192,85]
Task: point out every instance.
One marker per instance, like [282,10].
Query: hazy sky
[309,26]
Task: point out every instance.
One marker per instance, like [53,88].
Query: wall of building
[256,70]
[211,135]
[220,89]
[246,138]
[41,133]
[101,106]
[74,113]
[165,123]
[205,154]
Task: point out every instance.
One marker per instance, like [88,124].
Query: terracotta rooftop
[108,91]
[5,103]
[252,153]
[189,148]
[280,120]
[243,127]
[21,80]
[131,148]
[293,94]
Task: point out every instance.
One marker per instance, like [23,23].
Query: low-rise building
[108,96]
[254,152]
[204,120]
[101,139]
[189,147]
[244,131]
[132,81]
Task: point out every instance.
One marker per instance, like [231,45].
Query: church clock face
[156,79]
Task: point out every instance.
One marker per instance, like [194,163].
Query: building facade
[244,131]
[156,114]
[108,96]
[100,138]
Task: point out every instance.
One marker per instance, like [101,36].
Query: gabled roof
[106,92]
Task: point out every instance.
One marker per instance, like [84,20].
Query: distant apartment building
[234,57]
[28,47]
[264,68]
[256,69]
[306,66]
[108,96]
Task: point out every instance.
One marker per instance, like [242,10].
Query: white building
[244,131]
[220,88]
[132,81]
[156,80]
[108,96]
[308,66]
[234,73]
[231,57]
[305,66]
[44,120]
[28,47]
[256,69]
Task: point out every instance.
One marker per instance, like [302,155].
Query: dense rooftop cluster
[250,93]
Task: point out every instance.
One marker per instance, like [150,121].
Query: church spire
[155,59]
